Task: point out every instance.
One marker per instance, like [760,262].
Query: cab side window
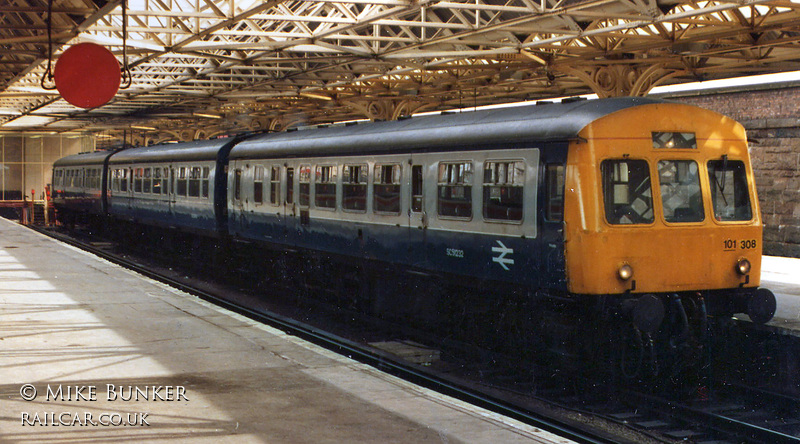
[729,192]
[554,185]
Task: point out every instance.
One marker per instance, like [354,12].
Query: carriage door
[169,189]
[130,190]
[417,216]
[288,204]
[552,218]
[237,214]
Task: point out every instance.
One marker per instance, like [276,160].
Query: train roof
[88,158]
[539,123]
[200,150]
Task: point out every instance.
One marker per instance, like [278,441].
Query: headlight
[625,272]
[743,266]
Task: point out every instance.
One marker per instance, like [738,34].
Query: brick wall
[772,118]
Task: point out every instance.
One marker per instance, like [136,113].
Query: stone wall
[772,118]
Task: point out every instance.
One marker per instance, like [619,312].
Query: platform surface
[81,339]
[782,276]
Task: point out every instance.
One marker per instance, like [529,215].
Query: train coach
[627,220]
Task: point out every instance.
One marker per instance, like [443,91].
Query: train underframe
[642,338]
[648,338]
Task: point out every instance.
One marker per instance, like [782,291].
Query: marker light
[625,272]
[743,266]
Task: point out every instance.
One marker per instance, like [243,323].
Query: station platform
[782,276]
[92,352]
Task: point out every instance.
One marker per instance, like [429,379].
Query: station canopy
[200,68]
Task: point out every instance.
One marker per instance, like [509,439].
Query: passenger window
[157,180]
[305,186]
[275,186]
[181,187]
[325,187]
[627,192]
[455,190]
[729,192]
[416,188]
[147,183]
[503,188]
[386,189]
[681,198]
[289,185]
[354,188]
[123,182]
[258,184]
[237,184]
[194,182]
[137,180]
[204,191]
[554,182]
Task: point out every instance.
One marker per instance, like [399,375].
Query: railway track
[570,412]
[381,360]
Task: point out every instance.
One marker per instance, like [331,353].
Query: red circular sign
[87,75]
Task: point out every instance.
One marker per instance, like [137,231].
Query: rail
[375,358]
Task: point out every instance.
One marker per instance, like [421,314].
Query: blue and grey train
[628,214]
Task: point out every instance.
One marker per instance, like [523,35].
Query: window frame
[743,179]
[554,184]
[396,184]
[147,182]
[258,185]
[138,175]
[464,179]
[513,176]
[304,185]
[275,185]
[662,197]
[181,182]
[361,171]
[327,181]
[204,182]
[619,207]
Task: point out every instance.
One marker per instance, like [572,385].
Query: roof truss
[269,64]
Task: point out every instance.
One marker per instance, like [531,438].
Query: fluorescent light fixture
[148,128]
[315,96]
[210,116]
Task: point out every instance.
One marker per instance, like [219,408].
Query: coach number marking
[502,259]
[453,252]
[744,244]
